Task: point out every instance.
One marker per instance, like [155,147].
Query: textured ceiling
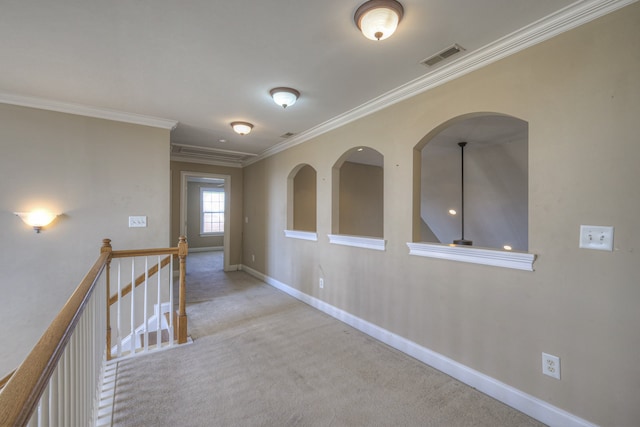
[205,63]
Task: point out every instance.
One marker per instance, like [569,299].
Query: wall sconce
[378,19]
[241,128]
[37,219]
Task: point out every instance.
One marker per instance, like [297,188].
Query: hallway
[262,358]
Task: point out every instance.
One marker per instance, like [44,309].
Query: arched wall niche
[302,198]
[495,182]
[357,207]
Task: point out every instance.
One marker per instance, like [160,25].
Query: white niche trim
[358,242]
[496,258]
[302,235]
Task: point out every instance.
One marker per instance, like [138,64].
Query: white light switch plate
[596,237]
[137,221]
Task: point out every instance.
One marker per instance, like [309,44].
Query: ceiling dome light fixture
[241,128]
[378,19]
[284,96]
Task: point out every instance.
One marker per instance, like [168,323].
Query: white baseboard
[530,405]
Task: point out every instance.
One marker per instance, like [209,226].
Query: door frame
[184,179]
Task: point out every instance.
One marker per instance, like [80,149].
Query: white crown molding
[475,255]
[358,242]
[570,17]
[509,395]
[189,159]
[83,110]
[302,235]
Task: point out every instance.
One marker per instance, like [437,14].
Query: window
[211,211]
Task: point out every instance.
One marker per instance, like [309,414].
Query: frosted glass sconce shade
[37,219]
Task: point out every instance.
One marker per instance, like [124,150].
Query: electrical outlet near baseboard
[551,365]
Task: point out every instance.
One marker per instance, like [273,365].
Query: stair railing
[59,381]
[135,334]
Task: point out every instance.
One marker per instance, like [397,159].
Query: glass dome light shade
[284,96]
[241,128]
[378,19]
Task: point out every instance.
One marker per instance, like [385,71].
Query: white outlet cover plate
[137,221]
[551,365]
[596,237]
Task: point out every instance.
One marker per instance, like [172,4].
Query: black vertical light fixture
[462,240]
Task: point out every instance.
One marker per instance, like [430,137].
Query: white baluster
[146,304]
[43,407]
[132,342]
[171,325]
[118,316]
[33,421]
[73,378]
[160,313]
[53,396]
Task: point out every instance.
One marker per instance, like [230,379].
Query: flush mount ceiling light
[241,128]
[284,96]
[378,19]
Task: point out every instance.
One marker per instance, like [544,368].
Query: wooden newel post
[106,247]
[183,249]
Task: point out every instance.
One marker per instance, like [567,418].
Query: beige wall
[96,173]
[361,200]
[235,223]
[580,94]
[305,199]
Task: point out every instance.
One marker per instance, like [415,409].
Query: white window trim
[358,242]
[484,256]
[302,235]
[213,233]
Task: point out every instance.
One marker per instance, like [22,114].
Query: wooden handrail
[144,252]
[6,379]
[140,279]
[23,388]
[21,394]
[181,251]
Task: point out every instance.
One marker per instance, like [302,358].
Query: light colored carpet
[262,358]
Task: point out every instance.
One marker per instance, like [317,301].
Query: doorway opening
[204,212]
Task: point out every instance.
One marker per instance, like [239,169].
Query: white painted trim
[189,159]
[511,396]
[303,235]
[206,249]
[184,178]
[570,17]
[358,242]
[475,255]
[233,267]
[87,111]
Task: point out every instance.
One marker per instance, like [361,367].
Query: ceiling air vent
[448,52]
[287,135]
